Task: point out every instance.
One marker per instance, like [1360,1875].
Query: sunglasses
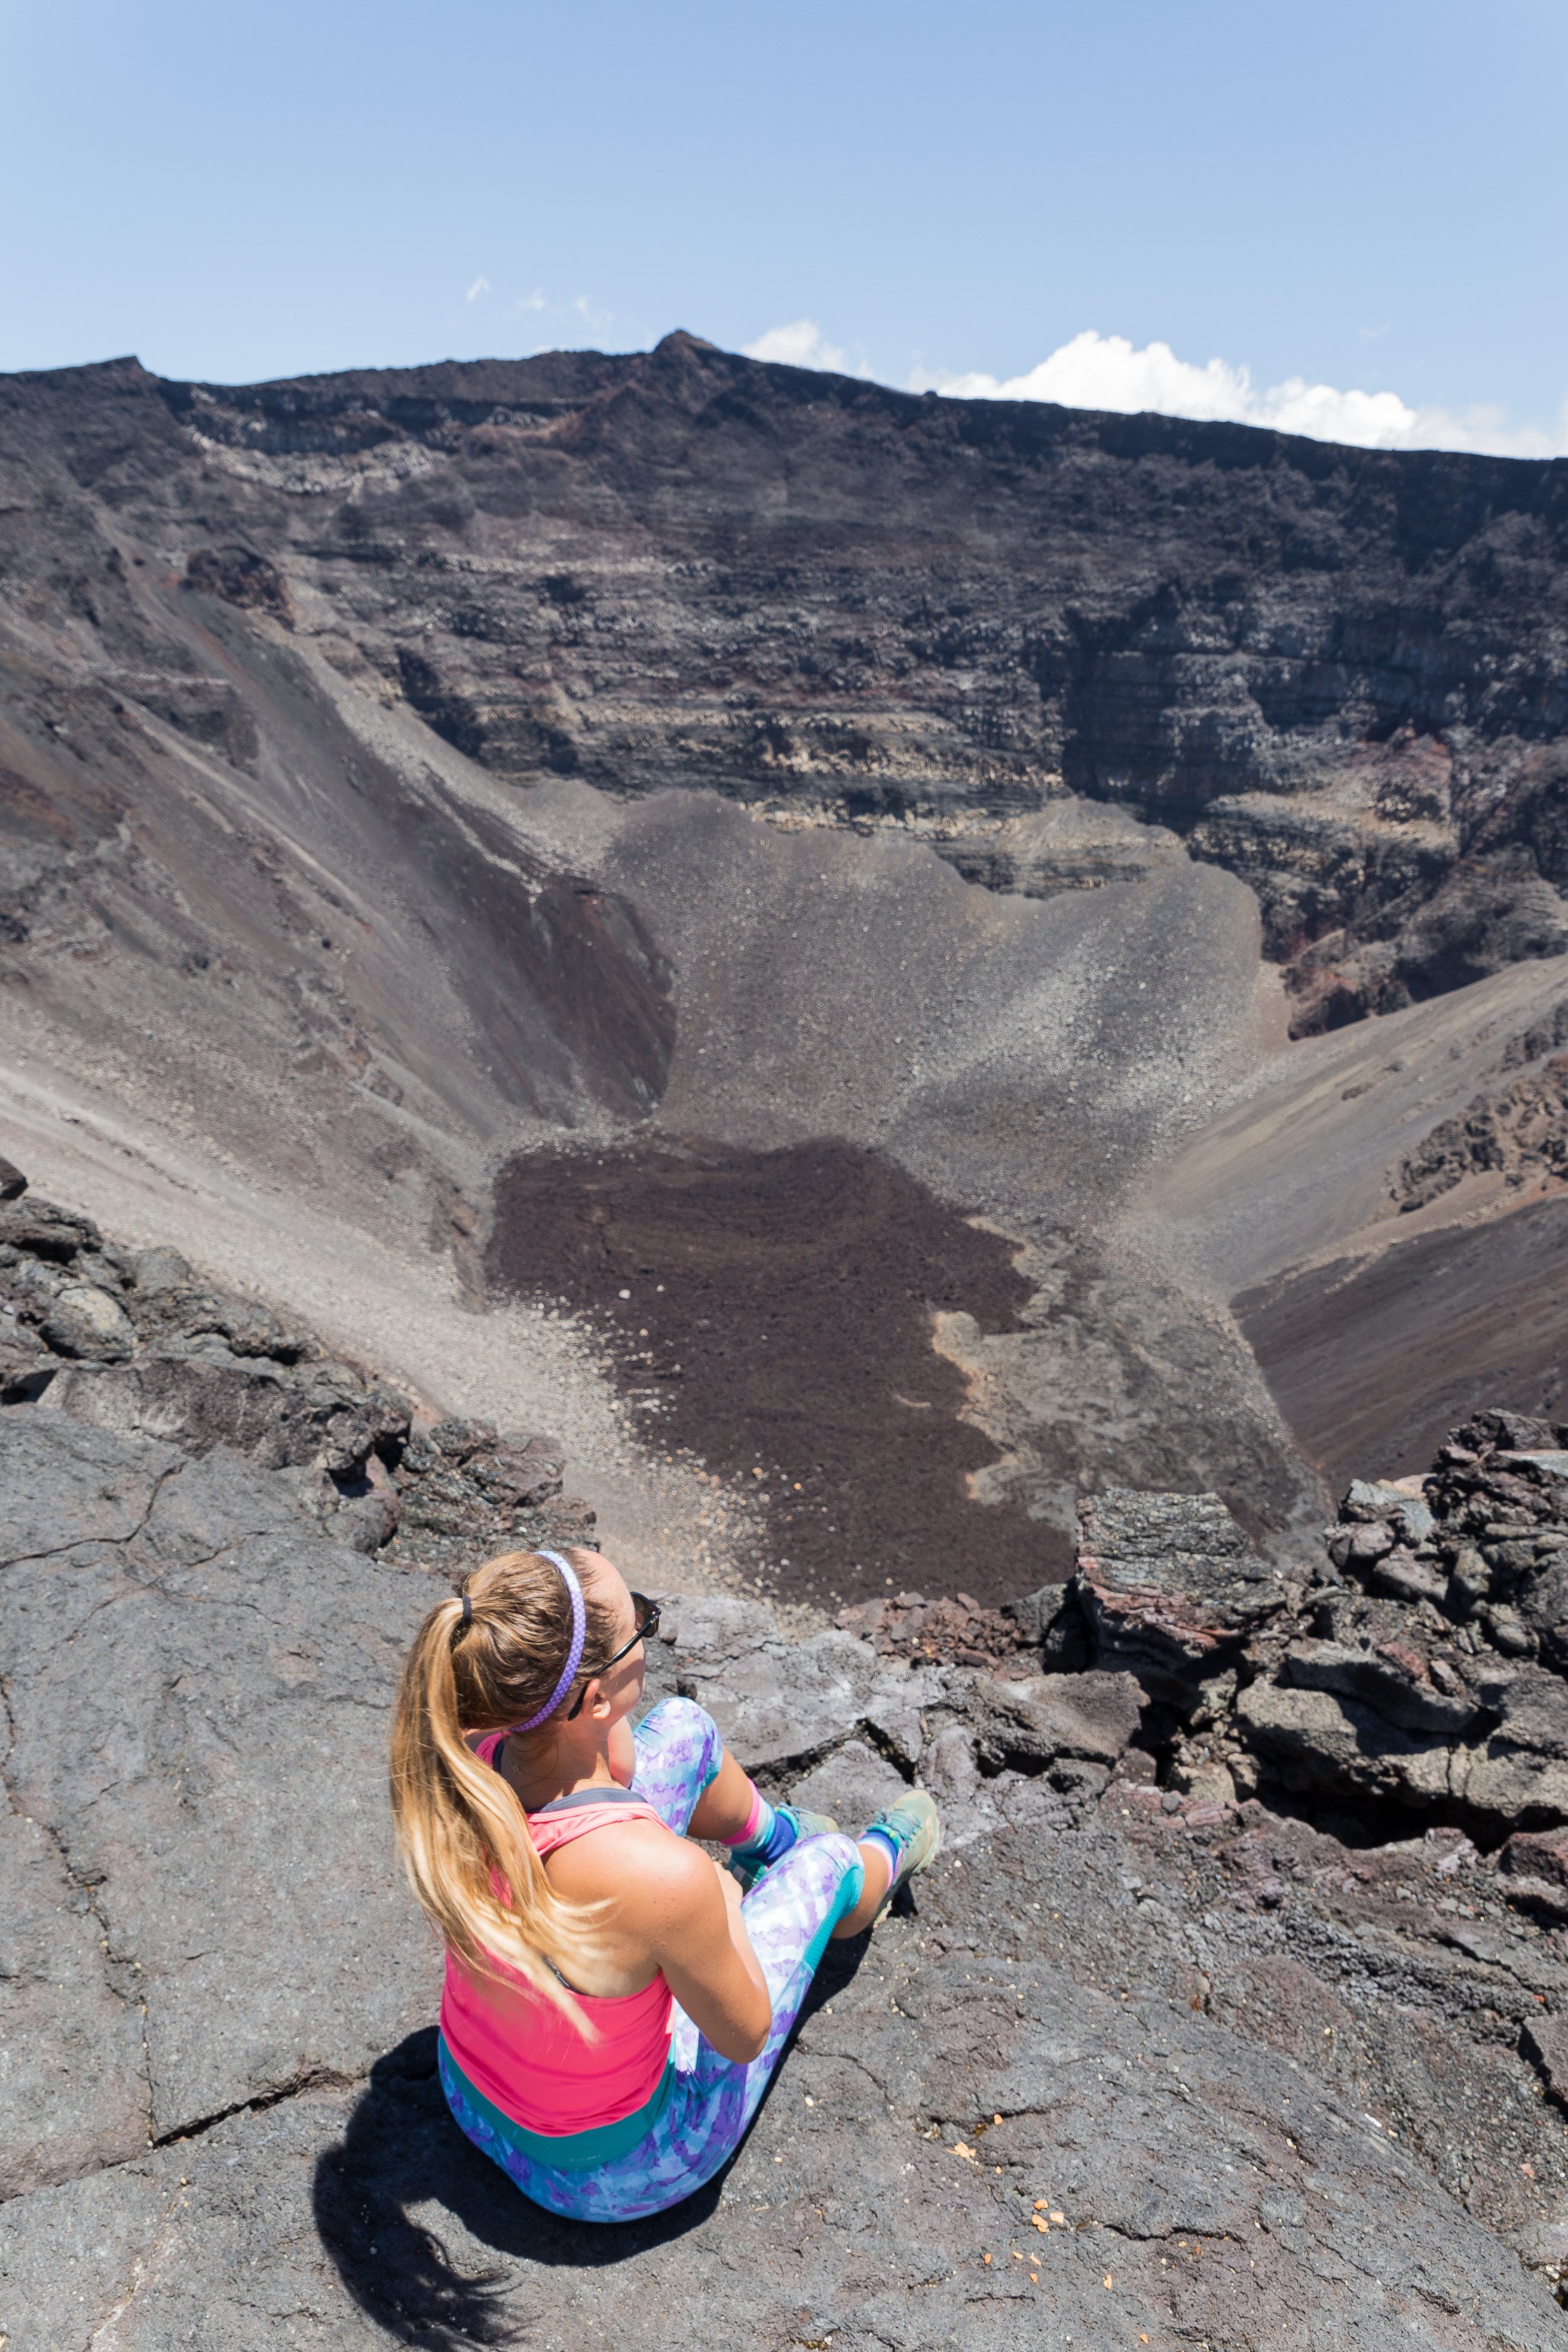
[647,1613]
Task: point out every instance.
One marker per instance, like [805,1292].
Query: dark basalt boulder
[1394,1680]
[259,1412]
[1167,1586]
[84,1320]
[1032,1723]
[1536,1863]
[38,1229]
[25,1364]
[1315,1739]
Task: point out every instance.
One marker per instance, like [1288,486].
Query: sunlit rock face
[1126,2052]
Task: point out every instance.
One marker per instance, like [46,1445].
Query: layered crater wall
[1340,672]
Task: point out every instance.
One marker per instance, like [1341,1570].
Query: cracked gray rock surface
[148,1351]
[782,1705]
[197,1688]
[940,2103]
[197,1680]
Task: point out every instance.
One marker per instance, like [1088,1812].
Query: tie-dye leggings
[789,1915]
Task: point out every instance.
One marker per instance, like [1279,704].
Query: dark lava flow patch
[779,1319]
[1372,1371]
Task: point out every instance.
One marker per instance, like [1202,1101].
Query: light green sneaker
[914,1828]
[749,1869]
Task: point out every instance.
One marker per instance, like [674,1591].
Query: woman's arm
[689,1912]
[670,1907]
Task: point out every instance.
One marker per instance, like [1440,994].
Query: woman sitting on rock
[613,2007]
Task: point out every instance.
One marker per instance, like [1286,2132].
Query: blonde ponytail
[474,1667]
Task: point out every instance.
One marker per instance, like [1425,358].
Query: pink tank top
[515,2046]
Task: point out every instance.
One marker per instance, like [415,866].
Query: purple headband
[574,1655]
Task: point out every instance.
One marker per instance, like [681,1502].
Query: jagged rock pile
[1519,1130]
[955,1628]
[1500,1494]
[132,1340]
[1418,1668]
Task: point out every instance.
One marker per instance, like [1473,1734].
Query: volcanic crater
[985,956]
[383,760]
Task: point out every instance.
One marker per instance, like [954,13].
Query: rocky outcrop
[1418,1666]
[1517,1128]
[133,1341]
[1165,1586]
[953,1628]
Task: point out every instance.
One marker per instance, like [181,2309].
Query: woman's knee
[851,1868]
[842,1850]
[681,1729]
[824,1872]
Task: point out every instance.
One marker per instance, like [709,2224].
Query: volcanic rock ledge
[1134,2059]
[1420,1665]
[197,1682]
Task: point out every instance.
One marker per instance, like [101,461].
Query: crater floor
[771,1313]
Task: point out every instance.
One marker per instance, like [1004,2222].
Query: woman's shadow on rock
[401,2154]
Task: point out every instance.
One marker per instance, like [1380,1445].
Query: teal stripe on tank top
[570,2151]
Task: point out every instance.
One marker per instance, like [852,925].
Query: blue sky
[1351,198]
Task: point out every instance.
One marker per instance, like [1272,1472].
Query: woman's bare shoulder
[645,1867]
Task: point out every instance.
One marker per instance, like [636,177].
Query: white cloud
[590,315]
[566,314]
[800,345]
[1096,371]
[480,286]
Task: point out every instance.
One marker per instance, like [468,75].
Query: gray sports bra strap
[616,1796]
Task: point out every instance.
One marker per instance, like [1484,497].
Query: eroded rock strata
[350,847]
[1191,2034]
[1337,672]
